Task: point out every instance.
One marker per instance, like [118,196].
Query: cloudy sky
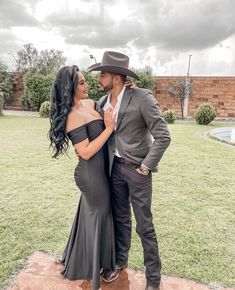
[156,33]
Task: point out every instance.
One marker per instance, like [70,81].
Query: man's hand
[76,153]
[144,170]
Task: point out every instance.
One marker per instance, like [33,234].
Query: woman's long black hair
[62,100]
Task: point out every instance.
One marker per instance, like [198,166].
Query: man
[133,157]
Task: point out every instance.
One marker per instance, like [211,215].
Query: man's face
[106,81]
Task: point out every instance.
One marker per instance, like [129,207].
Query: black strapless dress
[91,244]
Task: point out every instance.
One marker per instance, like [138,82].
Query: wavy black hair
[62,100]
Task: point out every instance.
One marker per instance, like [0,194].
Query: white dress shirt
[115,109]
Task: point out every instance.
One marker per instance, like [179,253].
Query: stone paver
[43,273]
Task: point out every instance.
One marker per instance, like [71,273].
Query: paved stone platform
[43,273]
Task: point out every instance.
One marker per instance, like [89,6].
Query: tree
[49,61]
[27,58]
[44,62]
[147,80]
[3,66]
[180,90]
[7,84]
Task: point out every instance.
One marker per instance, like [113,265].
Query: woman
[90,246]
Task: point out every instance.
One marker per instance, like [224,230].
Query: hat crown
[117,59]
[114,62]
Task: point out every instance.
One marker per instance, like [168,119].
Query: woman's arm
[86,149]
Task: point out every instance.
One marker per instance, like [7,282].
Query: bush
[92,80]
[169,116]
[1,102]
[25,100]
[7,85]
[45,109]
[37,89]
[146,81]
[205,114]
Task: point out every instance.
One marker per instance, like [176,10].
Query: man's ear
[117,79]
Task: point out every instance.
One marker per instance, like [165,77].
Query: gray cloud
[13,13]
[97,30]
[183,25]
[9,42]
[179,25]
[84,21]
[160,32]
[108,37]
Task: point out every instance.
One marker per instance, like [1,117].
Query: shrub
[7,85]
[169,116]
[45,109]
[1,102]
[25,100]
[37,89]
[205,114]
[146,79]
[92,80]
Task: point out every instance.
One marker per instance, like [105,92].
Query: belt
[121,160]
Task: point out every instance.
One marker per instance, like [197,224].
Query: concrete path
[43,273]
[20,113]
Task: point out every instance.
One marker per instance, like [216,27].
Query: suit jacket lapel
[101,110]
[125,101]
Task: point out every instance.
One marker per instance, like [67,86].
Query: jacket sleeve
[158,128]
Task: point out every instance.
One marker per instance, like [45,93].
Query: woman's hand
[109,120]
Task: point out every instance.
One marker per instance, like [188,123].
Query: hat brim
[113,69]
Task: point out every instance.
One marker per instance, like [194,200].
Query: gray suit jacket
[139,119]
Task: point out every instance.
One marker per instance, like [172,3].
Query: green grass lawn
[193,201]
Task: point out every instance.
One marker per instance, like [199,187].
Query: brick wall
[218,91]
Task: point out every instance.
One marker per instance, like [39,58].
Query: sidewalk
[20,113]
[43,273]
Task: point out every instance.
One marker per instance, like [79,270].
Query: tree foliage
[147,80]
[7,84]
[92,80]
[43,62]
[37,89]
[1,102]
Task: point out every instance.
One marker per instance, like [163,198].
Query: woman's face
[81,91]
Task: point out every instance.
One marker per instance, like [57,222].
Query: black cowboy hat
[114,62]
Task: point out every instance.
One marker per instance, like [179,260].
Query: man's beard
[107,88]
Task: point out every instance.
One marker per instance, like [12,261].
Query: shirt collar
[119,97]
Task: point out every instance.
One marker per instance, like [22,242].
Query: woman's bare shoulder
[74,120]
[89,102]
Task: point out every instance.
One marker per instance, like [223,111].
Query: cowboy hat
[114,62]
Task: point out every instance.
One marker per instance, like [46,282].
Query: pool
[224,134]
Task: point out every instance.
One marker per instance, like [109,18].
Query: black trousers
[128,186]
